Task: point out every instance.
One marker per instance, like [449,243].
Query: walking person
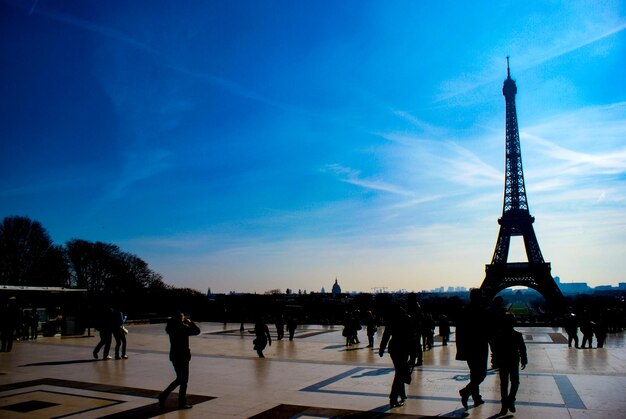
[587,329]
[370,325]
[600,330]
[398,333]
[444,329]
[472,345]
[105,329]
[571,328]
[497,316]
[292,324]
[511,351]
[355,321]
[415,313]
[179,329]
[26,322]
[280,327]
[262,338]
[9,321]
[428,331]
[348,332]
[34,324]
[119,333]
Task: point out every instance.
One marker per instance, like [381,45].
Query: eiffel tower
[517,221]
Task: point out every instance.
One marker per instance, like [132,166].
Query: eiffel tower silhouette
[517,221]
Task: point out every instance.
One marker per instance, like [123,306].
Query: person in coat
[262,337]
[105,326]
[179,329]
[571,328]
[399,335]
[511,352]
[370,325]
[472,345]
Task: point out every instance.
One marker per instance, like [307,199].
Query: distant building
[336,288]
[572,287]
[575,288]
[323,291]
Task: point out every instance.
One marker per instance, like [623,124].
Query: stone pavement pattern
[315,375]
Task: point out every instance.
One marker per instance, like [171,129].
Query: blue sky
[257,145]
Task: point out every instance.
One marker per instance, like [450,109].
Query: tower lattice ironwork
[517,221]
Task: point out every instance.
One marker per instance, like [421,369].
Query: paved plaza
[315,375]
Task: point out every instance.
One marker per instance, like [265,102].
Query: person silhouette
[399,334]
[105,329]
[262,338]
[34,324]
[571,328]
[472,345]
[348,331]
[9,321]
[179,329]
[292,324]
[496,313]
[600,330]
[587,329]
[280,327]
[119,333]
[415,312]
[511,351]
[444,329]
[370,326]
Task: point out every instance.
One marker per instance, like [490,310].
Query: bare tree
[104,268]
[28,256]
[93,265]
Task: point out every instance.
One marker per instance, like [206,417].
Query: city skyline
[568,288]
[262,146]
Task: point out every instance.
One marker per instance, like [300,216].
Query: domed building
[336,288]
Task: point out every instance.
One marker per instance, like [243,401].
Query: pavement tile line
[288,411]
[567,391]
[65,387]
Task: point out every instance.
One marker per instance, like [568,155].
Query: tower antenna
[508,71]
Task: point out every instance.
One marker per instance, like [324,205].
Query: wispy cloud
[415,202]
[32,8]
[578,148]
[578,45]
[190,243]
[562,44]
[468,168]
[92,27]
[353,177]
[424,126]
[582,162]
[53,184]
[139,165]
[444,158]
[594,127]
[105,31]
